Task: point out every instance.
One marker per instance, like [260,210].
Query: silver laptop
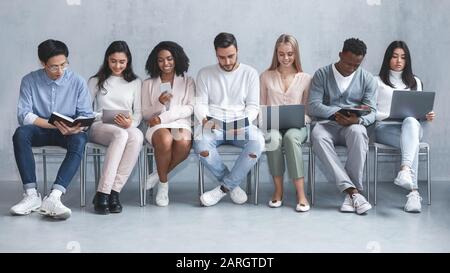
[109,115]
[411,104]
[282,117]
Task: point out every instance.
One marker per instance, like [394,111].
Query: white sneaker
[28,204]
[347,206]
[360,203]
[404,179]
[152,180]
[276,204]
[238,195]
[52,206]
[413,204]
[212,197]
[162,196]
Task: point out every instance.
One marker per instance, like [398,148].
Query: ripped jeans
[252,143]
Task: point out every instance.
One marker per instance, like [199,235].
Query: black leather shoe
[101,203]
[114,202]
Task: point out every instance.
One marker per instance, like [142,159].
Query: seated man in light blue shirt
[53,88]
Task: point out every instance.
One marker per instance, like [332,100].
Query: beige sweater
[272,91]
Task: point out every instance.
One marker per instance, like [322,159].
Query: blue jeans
[406,137]
[29,136]
[252,142]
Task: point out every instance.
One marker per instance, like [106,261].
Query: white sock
[56,193]
[163,184]
[32,191]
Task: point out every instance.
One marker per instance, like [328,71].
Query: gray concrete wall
[321,26]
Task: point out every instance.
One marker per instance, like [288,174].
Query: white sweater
[120,95]
[385,92]
[227,96]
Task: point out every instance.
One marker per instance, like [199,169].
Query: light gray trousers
[325,136]
[405,136]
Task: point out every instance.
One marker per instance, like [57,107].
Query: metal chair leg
[44,167]
[428,176]
[255,178]
[202,179]
[313,177]
[249,183]
[375,175]
[83,180]
[367,176]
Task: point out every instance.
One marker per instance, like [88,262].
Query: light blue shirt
[40,96]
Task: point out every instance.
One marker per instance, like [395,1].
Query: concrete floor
[184,226]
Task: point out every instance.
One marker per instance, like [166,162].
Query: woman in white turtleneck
[396,74]
[116,87]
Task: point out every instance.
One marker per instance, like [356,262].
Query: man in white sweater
[227,102]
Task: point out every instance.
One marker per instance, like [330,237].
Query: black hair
[355,46]
[407,74]
[104,72]
[224,40]
[50,48]
[180,58]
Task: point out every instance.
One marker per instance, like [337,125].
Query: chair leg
[96,168]
[249,183]
[150,170]
[201,170]
[428,176]
[256,178]
[313,177]
[44,170]
[141,183]
[375,176]
[367,177]
[82,183]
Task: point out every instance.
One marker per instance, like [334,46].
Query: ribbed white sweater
[385,92]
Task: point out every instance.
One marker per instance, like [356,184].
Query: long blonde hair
[287,39]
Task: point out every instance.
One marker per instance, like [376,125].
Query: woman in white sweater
[116,87]
[167,106]
[396,74]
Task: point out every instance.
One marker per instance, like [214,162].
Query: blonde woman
[286,83]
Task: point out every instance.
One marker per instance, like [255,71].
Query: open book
[84,121]
[358,110]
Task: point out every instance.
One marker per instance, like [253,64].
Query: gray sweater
[325,98]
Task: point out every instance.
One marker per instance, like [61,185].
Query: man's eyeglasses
[55,68]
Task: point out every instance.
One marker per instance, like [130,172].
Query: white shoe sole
[62,216]
[162,204]
[364,208]
[347,209]
[17,213]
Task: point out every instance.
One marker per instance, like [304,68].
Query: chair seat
[93,145]
[422,145]
[52,149]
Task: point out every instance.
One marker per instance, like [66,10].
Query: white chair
[97,151]
[54,151]
[386,150]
